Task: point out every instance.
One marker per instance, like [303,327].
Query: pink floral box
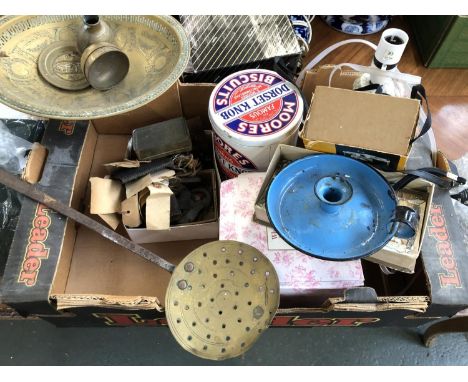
[298,273]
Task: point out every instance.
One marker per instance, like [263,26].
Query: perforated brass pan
[220,298]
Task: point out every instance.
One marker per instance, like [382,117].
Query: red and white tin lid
[255,107]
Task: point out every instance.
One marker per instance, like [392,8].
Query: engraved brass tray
[157,48]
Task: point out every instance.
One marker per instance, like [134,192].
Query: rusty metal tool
[220,297]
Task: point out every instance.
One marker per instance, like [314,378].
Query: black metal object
[32,192]
[183,164]
[162,139]
[408,221]
[126,175]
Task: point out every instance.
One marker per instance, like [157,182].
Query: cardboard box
[343,79]
[30,130]
[441,40]
[420,153]
[207,225]
[72,265]
[42,235]
[444,255]
[406,261]
[371,127]
[84,280]
[205,228]
[386,257]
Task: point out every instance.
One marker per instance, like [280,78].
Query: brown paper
[131,212]
[125,164]
[112,220]
[142,195]
[106,195]
[133,188]
[158,176]
[158,207]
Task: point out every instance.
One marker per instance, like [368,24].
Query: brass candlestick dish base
[59,64]
[156,46]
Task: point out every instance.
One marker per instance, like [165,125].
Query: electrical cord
[395,75]
[326,52]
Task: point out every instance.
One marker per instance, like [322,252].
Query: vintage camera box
[71,276]
[373,128]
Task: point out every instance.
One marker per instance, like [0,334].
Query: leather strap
[380,65]
[461,197]
[377,87]
[434,175]
[418,92]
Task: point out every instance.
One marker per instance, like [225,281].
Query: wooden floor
[447,89]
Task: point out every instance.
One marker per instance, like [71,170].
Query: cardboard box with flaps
[87,281]
[392,255]
[154,202]
[145,207]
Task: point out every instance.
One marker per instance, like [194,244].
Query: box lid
[371,121]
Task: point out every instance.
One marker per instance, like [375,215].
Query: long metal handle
[32,192]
